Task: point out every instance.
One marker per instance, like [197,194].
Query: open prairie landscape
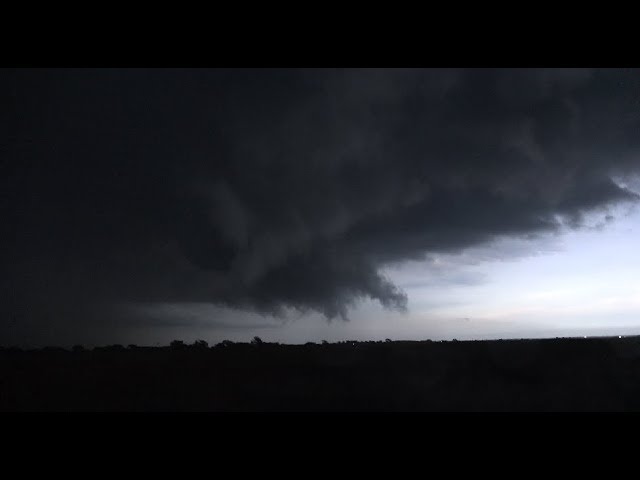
[572,374]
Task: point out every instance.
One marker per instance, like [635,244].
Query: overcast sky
[141,206]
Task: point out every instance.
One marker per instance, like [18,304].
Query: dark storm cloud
[266,189]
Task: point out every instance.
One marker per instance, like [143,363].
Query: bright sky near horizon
[147,205]
[579,282]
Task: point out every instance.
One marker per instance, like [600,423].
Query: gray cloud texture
[274,189]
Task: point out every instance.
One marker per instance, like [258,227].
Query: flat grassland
[572,374]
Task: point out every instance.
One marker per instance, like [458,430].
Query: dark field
[595,374]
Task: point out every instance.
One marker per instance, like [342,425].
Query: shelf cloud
[267,190]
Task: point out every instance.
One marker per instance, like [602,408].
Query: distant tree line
[201,345]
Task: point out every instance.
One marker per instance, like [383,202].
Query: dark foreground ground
[541,375]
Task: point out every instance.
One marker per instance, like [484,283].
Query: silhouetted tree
[177,344]
[200,344]
[77,348]
[257,341]
[110,348]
